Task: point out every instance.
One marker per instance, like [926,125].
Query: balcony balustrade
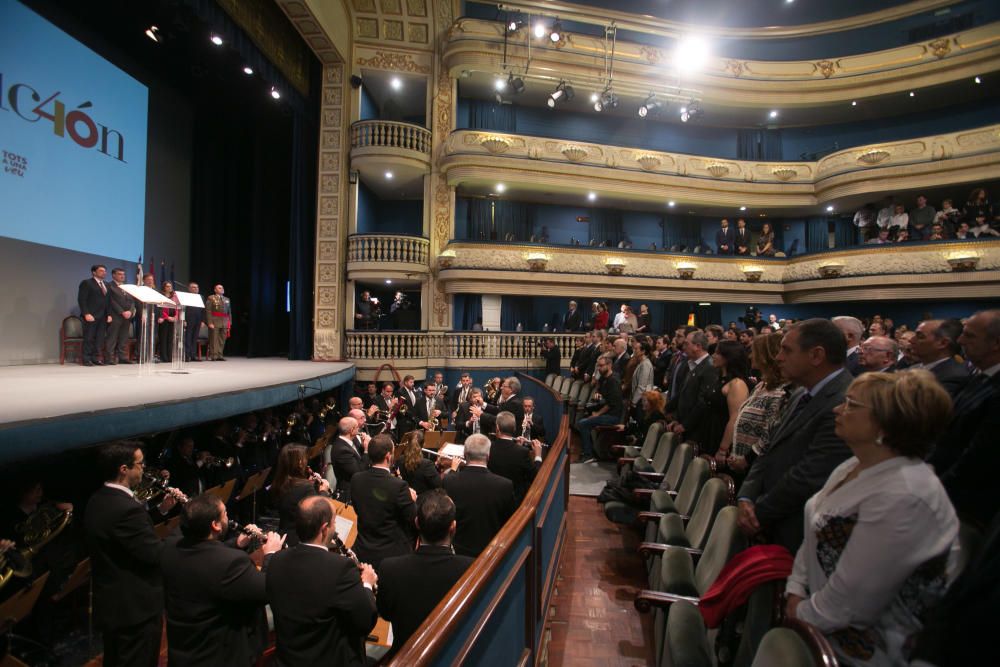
[388,248]
[390,134]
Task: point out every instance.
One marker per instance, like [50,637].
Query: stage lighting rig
[608,100]
[650,105]
[563,92]
[691,112]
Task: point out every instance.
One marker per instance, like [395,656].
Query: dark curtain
[480,220]
[758,144]
[605,226]
[681,232]
[468,310]
[301,248]
[514,309]
[492,116]
[512,219]
[817,234]
[845,235]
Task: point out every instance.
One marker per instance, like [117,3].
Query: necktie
[104,290]
[430,402]
[799,407]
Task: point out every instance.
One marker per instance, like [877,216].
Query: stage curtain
[817,234]
[485,115]
[845,235]
[758,144]
[301,249]
[468,310]
[681,232]
[512,218]
[514,309]
[480,220]
[605,225]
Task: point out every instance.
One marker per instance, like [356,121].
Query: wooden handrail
[430,638]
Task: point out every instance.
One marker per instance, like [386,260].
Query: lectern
[150,299]
[186,300]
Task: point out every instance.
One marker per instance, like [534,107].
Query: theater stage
[49,408]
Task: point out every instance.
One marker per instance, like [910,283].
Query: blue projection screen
[73,142]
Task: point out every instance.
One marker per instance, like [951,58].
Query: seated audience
[853,330]
[293,481]
[608,394]
[879,353]
[483,500]
[948,217]
[879,533]
[385,507]
[934,346]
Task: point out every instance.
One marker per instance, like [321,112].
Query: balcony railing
[387,248]
[418,345]
[390,134]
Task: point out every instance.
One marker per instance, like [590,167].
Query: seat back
[679,463]
[652,439]
[574,390]
[550,378]
[664,452]
[686,639]
[713,497]
[203,332]
[585,393]
[723,543]
[72,327]
[796,645]
[698,472]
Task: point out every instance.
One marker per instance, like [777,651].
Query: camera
[750,316]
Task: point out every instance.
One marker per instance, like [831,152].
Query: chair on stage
[71,338]
[202,340]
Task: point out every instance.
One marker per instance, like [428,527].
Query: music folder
[146,295]
[190,299]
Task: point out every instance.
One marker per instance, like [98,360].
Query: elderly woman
[879,534]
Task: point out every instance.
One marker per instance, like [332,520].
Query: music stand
[17,608]
[223,491]
[436,439]
[149,298]
[186,300]
[345,522]
[254,483]
[79,577]
[164,528]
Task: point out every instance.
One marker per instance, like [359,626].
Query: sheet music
[343,527]
[189,299]
[453,450]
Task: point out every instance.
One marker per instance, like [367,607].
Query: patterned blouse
[875,558]
[756,418]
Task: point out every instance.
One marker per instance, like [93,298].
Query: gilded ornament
[718,170]
[400,62]
[873,156]
[734,67]
[784,173]
[826,68]
[648,162]
[940,47]
[495,145]
[574,153]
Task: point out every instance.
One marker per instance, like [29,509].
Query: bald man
[345,457]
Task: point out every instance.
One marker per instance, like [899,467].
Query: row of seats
[690,532]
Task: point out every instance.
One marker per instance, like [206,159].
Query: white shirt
[992,370]
[112,485]
[619,318]
[933,364]
[901,220]
[876,555]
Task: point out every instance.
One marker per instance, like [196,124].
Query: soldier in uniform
[218,315]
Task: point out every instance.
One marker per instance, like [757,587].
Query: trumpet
[291,423]
[330,405]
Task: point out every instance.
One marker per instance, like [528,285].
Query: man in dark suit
[92,297]
[125,560]
[516,462]
[966,456]
[186,472]
[121,310]
[533,420]
[879,354]
[573,319]
[620,358]
[724,239]
[411,586]
[425,408]
[460,395]
[509,401]
[741,238]
[215,595]
[483,500]
[409,395]
[579,355]
[690,405]
[553,360]
[345,458]
[322,602]
[804,449]
[853,329]
[472,417]
[935,345]
[385,507]
[193,317]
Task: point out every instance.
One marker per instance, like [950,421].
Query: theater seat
[71,338]
[796,645]
[686,638]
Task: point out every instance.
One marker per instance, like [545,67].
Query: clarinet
[338,546]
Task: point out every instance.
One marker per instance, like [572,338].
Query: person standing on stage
[219,317]
[121,311]
[193,317]
[92,297]
[125,557]
[165,323]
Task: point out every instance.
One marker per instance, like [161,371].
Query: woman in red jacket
[600,311]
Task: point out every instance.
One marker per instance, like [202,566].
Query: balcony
[378,146]
[538,165]
[380,256]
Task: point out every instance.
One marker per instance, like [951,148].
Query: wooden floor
[591,620]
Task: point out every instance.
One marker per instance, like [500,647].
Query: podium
[149,298]
[186,300]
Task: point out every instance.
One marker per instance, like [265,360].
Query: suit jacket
[513,461]
[483,503]
[322,612]
[347,462]
[288,508]
[537,426]
[385,515]
[727,238]
[677,374]
[420,409]
[118,301]
[952,376]
[803,452]
[409,587]
[741,238]
[853,363]
[487,423]
[691,404]
[512,405]
[125,560]
[91,299]
[553,360]
[573,321]
[619,364]
[593,352]
[215,598]
[457,400]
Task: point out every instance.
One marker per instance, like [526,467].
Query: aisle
[591,620]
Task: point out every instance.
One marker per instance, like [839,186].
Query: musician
[409,396]
[214,594]
[125,560]
[224,444]
[385,507]
[509,400]
[411,586]
[368,398]
[516,462]
[460,395]
[187,470]
[92,298]
[491,392]
[322,602]
[345,458]
[473,418]
[427,409]
[361,438]
[293,481]
[442,390]
[420,473]
[366,316]
[484,500]
[532,425]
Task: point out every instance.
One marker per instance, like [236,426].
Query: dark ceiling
[745,13]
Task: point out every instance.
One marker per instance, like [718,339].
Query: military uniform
[218,312]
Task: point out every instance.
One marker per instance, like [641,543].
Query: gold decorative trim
[397,62]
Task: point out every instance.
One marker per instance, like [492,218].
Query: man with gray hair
[853,330]
[934,344]
[509,399]
[879,354]
[483,500]
[512,460]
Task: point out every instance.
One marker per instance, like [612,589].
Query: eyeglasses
[851,404]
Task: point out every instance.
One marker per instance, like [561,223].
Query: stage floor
[51,407]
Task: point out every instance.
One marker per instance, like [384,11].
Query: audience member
[765,242]
[853,330]
[608,394]
[600,316]
[690,411]
[483,500]
[725,239]
[879,353]
[731,363]
[921,218]
[935,345]
[741,238]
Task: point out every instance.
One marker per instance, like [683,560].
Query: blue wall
[901,312]
[376,216]
[369,110]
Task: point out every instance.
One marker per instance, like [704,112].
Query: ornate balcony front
[380,146]
[379,256]
[542,164]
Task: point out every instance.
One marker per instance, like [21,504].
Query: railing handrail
[376,121]
[418,237]
[429,639]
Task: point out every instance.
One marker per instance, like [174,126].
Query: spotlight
[592,196]
[388,175]
[912,94]
[829,209]
[514,25]
[540,30]
[516,84]
[388,281]
[773,114]
[594,97]
[154,34]
[499,83]
[248,70]
[275,93]
[501,188]
[743,208]
[671,204]
[691,53]
[854,103]
[651,104]
[215,39]
[608,100]
[691,112]
[556,33]
[396,83]
[978,80]
[562,92]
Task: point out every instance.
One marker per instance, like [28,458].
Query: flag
[152,268]
[138,271]
[163,272]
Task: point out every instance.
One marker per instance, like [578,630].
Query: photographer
[553,359]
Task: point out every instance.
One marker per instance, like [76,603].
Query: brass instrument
[154,486]
[330,405]
[13,563]
[291,423]
[216,462]
[442,392]
[42,526]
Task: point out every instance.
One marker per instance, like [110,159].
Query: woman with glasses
[879,534]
